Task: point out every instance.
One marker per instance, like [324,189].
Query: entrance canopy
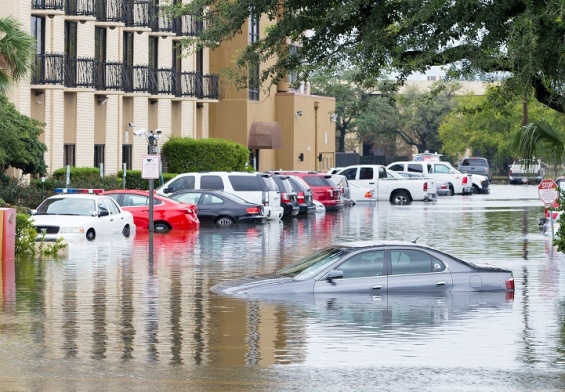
[265,135]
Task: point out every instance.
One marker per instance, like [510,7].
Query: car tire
[161,227]
[90,234]
[476,190]
[126,231]
[451,190]
[225,221]
[400,198]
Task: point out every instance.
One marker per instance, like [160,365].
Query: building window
[153,64]
[38,31]
[127,152]
[69,155]
[71,52]
[254,70]
[98,155]
[128,60]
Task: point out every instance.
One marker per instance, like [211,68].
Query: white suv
[254,187]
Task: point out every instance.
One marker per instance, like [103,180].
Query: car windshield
[67,206]
[309,266]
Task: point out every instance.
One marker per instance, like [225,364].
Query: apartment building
[284,128]
[107,68]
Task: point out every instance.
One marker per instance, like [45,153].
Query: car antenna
[415,240]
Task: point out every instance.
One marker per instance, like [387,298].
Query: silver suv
[476,165]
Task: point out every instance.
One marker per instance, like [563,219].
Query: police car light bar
[78,190]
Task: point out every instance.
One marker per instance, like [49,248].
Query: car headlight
[72,230]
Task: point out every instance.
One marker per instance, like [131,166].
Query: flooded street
[111,318]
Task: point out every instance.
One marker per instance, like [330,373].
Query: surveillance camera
[158,131]
[131,125]
[139,132]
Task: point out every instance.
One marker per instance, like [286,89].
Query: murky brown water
[111,318]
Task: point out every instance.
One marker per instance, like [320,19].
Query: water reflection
[131,312]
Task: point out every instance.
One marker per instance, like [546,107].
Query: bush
[188,155]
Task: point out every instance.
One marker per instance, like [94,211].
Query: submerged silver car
[374,268]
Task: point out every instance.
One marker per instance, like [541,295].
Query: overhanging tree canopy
[524,39]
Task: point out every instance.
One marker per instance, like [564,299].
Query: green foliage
[559,238]
[522,39]
[17,50]
[17,192]
[20,147]
[26,239]
[186,155]
[25,235]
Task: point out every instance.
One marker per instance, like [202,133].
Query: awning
[265,135]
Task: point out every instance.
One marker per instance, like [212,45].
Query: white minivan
[254,187]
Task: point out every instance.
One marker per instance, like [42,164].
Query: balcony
[109,11]
[136,14]
[109,75]
[80,8]
[188,25]
[136,79]
[79,73]
[49,69]
[161,21]
[162,81]
[196,85]
[58,5]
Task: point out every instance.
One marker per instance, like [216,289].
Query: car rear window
[415,167]
[474,162]
[245,183]
[317,181]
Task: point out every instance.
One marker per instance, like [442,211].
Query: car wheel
[400,198]
[225,221]
[476,190]
[90,234]
[451,190]
[126,231]
[161,227]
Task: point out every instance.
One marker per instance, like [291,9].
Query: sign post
[549,193]
[150,170]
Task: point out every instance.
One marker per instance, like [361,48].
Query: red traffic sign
[548,191]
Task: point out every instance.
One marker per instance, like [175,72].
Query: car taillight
[300,197]
[425,186]
[284,197]
[465,179]
[510,284]
[253,210]
[266,200]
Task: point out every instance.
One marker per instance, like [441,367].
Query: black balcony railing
[136,13]
[162,81]
[161,20]
[188,25]
[79,72]
[49,69]
[109,75]
[109,11]
[136,79]
[79,7]
[48,4]
[194,84]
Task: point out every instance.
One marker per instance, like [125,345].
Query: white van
[254,187]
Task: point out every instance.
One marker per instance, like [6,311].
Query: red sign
[548,191]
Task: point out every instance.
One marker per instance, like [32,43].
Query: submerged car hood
[250,285]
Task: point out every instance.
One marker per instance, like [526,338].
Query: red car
[167,214]
[323,188]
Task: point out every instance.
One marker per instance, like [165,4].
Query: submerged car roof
[365,244]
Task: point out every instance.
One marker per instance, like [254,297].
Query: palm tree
[17,51]
[540,139]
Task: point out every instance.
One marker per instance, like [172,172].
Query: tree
[414,117]
[350,100]
[486,127]
[519,40]
[20,147]
[17,51]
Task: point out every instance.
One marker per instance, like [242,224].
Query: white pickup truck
[390,186]
[459,183]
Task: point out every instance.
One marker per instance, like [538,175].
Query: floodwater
[110,317]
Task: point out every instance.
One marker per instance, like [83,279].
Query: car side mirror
[166,190]
[334,274]
[103,213]
[33,212]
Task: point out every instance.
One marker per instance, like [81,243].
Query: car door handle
[376,287]
[371,183]
[440,284]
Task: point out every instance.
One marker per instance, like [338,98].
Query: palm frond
[540,140]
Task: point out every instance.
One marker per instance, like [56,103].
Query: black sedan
[374,268]
[220,207]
